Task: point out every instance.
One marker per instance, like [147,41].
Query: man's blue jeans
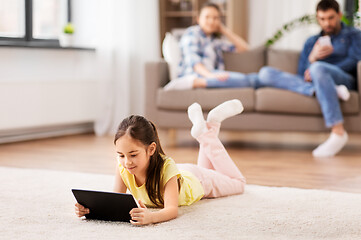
[235,80]
[324,77]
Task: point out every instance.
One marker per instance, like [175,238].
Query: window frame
[28,40]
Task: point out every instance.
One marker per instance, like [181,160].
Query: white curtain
[128,37]
[267,16]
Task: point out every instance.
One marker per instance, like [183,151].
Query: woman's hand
[240,44]
[80,210]
[141,215]
[204,72]
[221,76]
[222,29]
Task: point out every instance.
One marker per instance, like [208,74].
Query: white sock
[342,92]
[182,83]
[225,110]
[331,146]
[196,116]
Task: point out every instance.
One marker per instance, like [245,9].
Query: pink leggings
[215,169]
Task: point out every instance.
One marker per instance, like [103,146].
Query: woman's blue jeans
[235,80]
[324,77]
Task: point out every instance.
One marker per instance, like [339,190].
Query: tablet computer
[107,206]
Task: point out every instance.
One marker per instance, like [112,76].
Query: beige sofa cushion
[273,100]
[285,60]
[245,62]
[207,98]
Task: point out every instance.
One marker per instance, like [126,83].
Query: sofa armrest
[156,76]
[359,80]
[359,76]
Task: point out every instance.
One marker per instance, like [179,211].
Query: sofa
[265,109]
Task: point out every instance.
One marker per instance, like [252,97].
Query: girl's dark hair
[325,5]
[208,4]
[141,129]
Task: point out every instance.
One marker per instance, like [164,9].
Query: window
[46,19]
[32,22]
[12,18]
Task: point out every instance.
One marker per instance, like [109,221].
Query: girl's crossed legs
[215,169]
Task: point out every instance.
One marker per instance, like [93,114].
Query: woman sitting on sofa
[202,63]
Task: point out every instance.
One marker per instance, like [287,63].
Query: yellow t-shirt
[191,189]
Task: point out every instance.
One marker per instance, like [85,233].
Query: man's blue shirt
[346,50]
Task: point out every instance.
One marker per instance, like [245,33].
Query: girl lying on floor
[156,181]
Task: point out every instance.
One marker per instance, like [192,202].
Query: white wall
[268,16]
[85,22]
[145,48]
[51,90]
[129,38]
[46,87]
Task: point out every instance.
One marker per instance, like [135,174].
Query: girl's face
[209,20]
[133,155]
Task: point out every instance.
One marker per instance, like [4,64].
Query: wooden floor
[264,158]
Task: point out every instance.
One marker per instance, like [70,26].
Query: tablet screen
[107,206]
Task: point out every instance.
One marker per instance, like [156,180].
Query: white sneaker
[331,146]
[342,92]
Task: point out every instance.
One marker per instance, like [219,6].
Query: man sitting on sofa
[326,69]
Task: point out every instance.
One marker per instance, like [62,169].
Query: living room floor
[269,159]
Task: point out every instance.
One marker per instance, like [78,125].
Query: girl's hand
[80,210]
[140,216]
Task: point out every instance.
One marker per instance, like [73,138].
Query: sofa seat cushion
[283,101]
[207,98]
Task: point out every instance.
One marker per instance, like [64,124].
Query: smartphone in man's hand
[325,41]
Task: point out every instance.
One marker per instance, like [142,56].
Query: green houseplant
[67,35]
[304,20]
[69,28]
[352,19]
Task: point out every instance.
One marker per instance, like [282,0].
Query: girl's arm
[241,45]
[191,52]
[142,216]
[119,185]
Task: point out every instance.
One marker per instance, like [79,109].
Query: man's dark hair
[325,5]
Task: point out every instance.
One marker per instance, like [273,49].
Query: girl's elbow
[242,49]
[174,212]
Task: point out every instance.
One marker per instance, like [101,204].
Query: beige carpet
[38,204]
